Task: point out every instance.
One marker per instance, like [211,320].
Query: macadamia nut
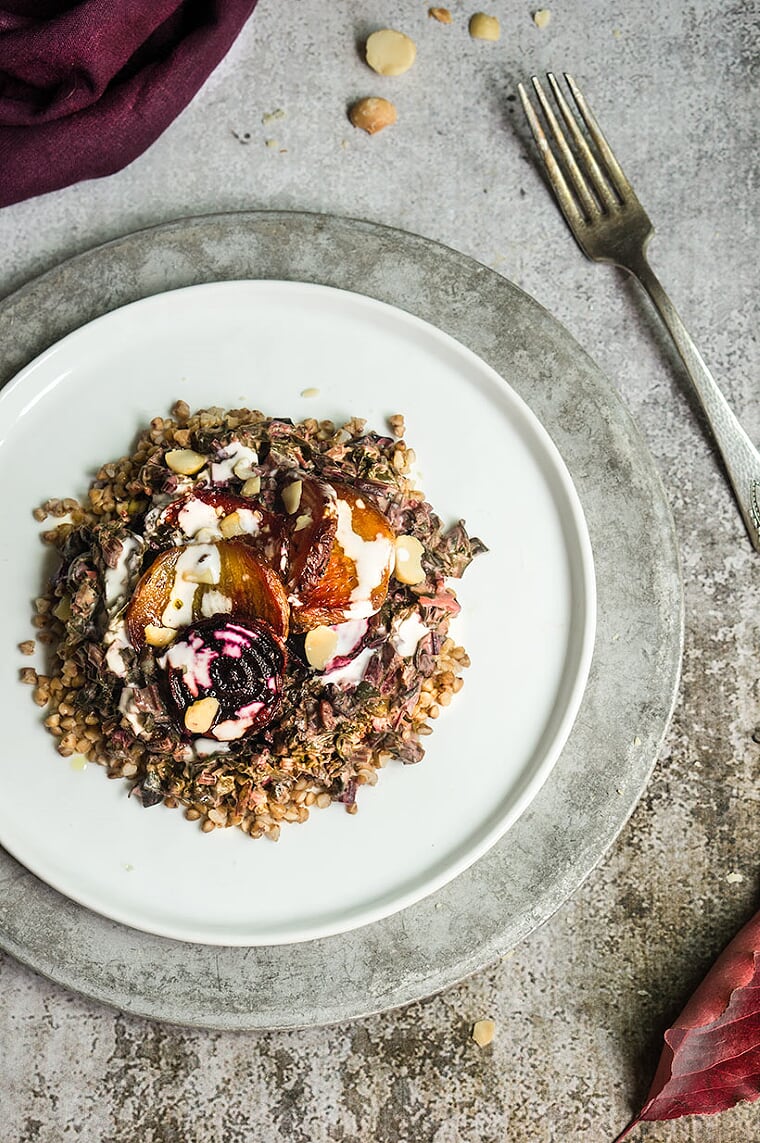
[389,52]
[483,27]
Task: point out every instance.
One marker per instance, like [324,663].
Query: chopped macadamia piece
[232,525]
[408,567]
[159,636]
[185,461]
[291,496]
[252,486]
[199,716]
[320,645]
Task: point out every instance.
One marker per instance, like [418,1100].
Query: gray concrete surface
[581,1004]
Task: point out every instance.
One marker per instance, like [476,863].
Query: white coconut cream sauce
[249,520]
[371,558]
[406,635]
[115,640]
[234,728]
[204,747]
[130,711]
[215,603]
[195,516]
[202,522]
[349,634]
[194,660]
[118,580]
[235,460]
[199,563]
[353,672]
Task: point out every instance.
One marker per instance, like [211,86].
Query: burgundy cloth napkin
[86,87]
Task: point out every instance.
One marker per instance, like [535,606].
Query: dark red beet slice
[241,665]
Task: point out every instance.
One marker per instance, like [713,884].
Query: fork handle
[741,458]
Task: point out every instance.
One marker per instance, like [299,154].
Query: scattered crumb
[542,17]
[438,905]
[619,792]
[637,741]
[483,1032]
[617,33]
[272,143]
[272,115]
[615,638]
[442,15]
[483,27]
[396,422]
[310,392]
[78,762]
[642,992]
[735,878]
[129,868]
[27,647]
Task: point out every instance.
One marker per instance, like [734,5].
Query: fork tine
[620,182]
[598,179]
[588,202]
[564,195]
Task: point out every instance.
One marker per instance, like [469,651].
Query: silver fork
[610,225]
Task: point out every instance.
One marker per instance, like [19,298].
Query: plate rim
[263,230]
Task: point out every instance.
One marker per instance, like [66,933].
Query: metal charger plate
[612,748]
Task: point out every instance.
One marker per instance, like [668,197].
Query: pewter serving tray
[607,760]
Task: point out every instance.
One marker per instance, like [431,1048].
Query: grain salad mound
[250,617]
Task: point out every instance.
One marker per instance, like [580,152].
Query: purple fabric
[86,87]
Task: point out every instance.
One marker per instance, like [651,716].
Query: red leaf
[711,1058]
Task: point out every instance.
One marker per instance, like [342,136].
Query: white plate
[527,619]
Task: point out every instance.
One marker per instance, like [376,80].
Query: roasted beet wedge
[196,581]
[311,507]
[352,582]
[210,514]
[224,679]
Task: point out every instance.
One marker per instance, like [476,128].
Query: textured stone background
[581,1005]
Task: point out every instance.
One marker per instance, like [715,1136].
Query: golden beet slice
[354,581]
[171,592]
[312,523]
